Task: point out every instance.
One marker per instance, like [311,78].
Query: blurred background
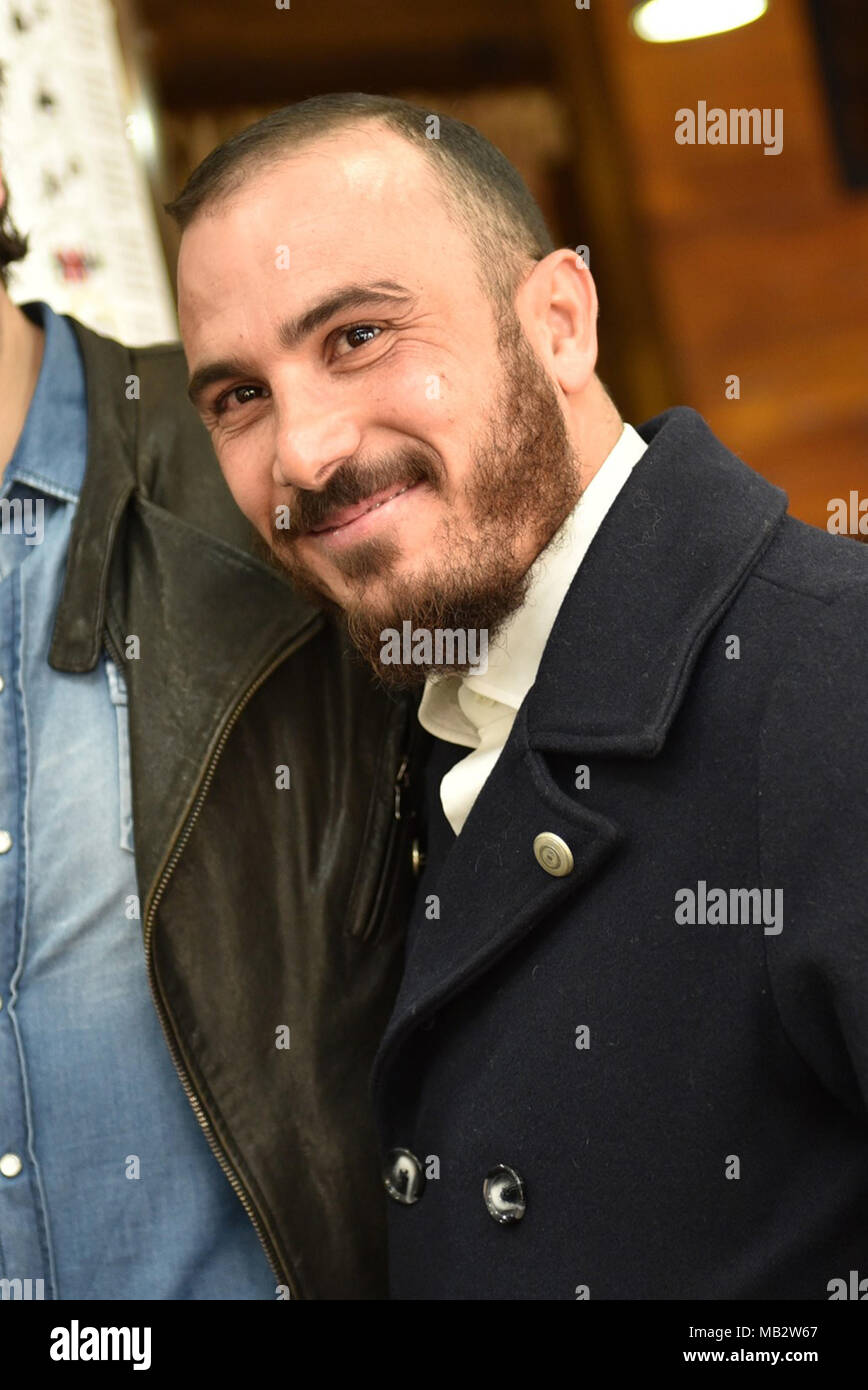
[730,279]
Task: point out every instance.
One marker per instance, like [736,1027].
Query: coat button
[403,1177]
[503,1191]
[417,858]
[553,854]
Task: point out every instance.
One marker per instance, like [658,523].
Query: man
[629,1055]
[181,830]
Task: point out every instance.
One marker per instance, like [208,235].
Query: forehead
[364,203]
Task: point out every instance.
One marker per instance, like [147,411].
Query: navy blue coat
[707,1135]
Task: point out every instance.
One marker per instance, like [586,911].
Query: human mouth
[352,518]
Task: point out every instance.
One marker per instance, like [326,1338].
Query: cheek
[424,402]
[245,466]
[415,388]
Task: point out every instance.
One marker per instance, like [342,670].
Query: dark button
[403,1177]
[503,1191]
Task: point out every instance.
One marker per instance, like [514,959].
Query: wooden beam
[195,82]
[264,55]
[634,361]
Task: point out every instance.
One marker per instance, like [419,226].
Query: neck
[596,429]
[21,344]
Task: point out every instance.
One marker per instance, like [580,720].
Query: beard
[524,481]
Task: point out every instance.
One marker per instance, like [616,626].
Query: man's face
[358,385]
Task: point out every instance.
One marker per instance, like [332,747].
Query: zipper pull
[402,780]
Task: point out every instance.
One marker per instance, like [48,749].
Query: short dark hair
[13,246]
[485,194]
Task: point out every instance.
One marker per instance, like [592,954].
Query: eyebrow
[211,372]
[292,332]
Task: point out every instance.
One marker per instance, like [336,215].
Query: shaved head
[480,190]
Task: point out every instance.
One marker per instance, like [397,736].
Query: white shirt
[478,711]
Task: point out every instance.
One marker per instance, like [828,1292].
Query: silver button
[403,1177]
[553,854]
[5,842]
[10,1165]
[2,685]
[503,1191]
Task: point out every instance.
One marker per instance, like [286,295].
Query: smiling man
[583,1090]
[370,375]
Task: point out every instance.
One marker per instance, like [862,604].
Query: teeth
[376,506]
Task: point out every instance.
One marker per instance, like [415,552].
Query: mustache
[351,484]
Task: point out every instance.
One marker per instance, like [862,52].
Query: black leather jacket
[262,907]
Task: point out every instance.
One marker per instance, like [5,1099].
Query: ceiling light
[671,21]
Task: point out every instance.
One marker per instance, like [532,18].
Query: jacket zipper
[198,1110]
[401,783]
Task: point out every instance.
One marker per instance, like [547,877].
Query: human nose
[314,436]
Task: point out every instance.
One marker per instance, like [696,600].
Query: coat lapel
[674,549]
[492,891]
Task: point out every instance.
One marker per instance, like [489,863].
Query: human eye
[356,336]
[232,400]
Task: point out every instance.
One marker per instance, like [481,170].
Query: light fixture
[672,21]
[140,130]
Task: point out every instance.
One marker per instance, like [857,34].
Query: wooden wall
[760,261]
[711,261]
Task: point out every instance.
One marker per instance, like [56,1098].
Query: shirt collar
[456,708]
[51,451]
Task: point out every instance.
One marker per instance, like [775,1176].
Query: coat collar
[676,545]
[108,482]
[674,549]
